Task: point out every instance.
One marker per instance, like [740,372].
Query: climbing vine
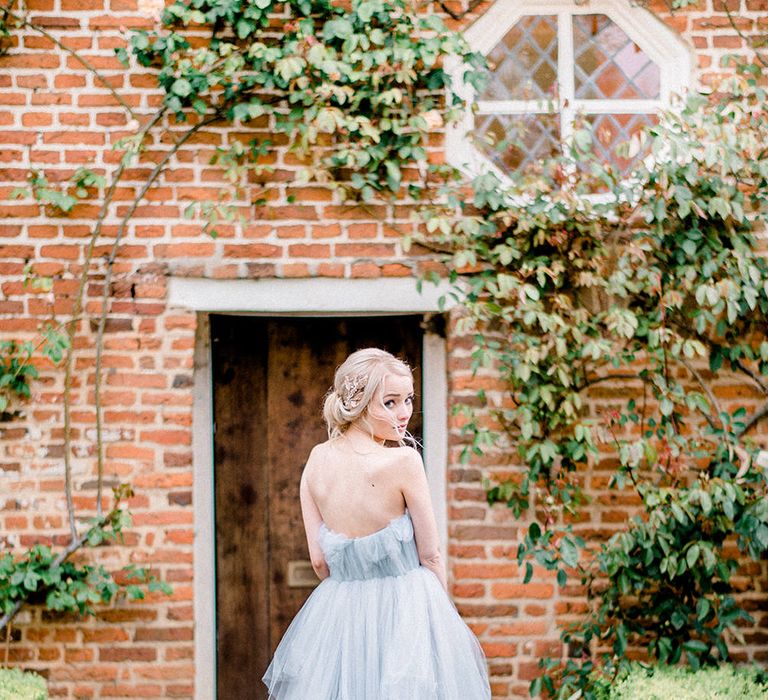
[576,276]
[657,282]
[354,90]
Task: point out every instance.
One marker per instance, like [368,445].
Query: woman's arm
[416,493]
[312,521]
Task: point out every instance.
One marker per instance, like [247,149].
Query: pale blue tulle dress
[380,627]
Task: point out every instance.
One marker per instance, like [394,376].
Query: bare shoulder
[407,458]
[317,456]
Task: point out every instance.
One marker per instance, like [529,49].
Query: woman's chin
[394,436]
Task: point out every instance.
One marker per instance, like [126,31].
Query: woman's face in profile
[391,407]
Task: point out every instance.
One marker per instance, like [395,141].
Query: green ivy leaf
[569,552]
[181,87]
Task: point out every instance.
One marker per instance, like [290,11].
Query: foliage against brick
[56,116]
[577,274]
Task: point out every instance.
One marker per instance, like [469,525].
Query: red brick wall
[55,117]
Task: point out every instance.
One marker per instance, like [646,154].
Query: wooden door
[269,378]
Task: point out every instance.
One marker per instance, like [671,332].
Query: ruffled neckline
[389,525]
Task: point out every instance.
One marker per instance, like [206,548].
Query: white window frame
[675,59]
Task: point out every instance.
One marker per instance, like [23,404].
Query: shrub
[20,685]
[669,682]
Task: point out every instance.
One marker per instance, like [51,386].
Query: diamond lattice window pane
[517,140]
[610,130]
[524,63]
[608,64]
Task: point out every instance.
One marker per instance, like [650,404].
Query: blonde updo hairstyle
[354,384]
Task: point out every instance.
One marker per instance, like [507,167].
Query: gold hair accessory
[352,391]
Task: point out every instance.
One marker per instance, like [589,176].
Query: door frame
[296,297]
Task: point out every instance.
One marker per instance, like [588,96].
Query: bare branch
[756,417]
[712,398]
[743,36]
[756,378]
[24,22]
[72,327]
[108,280]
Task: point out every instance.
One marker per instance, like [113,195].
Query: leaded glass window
[552,60]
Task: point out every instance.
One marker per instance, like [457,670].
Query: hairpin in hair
[352,391]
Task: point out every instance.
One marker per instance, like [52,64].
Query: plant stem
[756,417]
[7,645]
[72,547]
[743,36]
[24,22]
[72,328]
[712,398]
[756,378]
[108,280]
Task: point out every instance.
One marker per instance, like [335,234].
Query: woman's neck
[358,437]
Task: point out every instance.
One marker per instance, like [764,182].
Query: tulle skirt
[384,638]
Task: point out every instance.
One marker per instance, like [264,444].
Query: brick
[36,61]
[132,653]
[295,270]
[396,270]
[522,590]
[16,251]
[309,250]
[163,634]
[468,590]
[33,82]
[366,270]
[289,231]
[368,212]
[167,437]
[521,628]
[485,571]
[364,250]
[73,137]
[183,250]
[143,380]
[261,270]
[17,137]
[727,42]
[362,230]
[105,634]
[310,194]
[285,213]
[499,649]
[252,250]
[330,270]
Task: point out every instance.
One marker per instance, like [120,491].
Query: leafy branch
[660,280]
[356,90]
[65,586]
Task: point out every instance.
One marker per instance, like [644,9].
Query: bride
[380,626]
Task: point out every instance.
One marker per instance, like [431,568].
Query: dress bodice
[380,627]
[390,551]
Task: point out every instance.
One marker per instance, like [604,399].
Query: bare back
[355,493]
[358,494]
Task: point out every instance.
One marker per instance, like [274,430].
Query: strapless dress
[380,627]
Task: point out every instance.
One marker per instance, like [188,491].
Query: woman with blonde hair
[380,626]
